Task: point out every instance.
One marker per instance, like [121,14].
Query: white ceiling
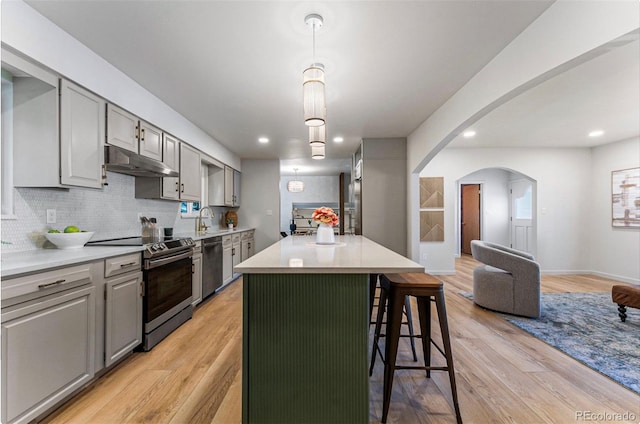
[600,94]
[234,68]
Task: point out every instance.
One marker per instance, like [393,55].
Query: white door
[521,193]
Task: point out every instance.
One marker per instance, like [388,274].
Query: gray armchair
[508,282]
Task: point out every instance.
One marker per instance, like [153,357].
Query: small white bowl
[69,240]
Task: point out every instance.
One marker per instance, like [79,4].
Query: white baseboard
[564,271]
[596,273]
[440,272]
[617,277]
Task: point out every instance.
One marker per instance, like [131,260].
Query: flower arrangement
[325,215]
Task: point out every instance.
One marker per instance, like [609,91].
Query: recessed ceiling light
[263,140]
[468,134]
[338,139]
[596,133]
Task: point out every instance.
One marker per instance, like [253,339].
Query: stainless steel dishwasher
[211,265]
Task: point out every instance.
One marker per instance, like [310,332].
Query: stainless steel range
[167,270]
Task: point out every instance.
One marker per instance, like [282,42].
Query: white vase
[325,234]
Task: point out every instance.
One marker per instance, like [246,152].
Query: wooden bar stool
[425,288]
[382,305]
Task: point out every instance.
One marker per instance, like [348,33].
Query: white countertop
[29,261]
[14,264]
[213,233]
[350,255]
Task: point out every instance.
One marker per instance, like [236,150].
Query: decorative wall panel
[431,192]
[431,225]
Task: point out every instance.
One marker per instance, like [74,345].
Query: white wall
[317,189]
[615,252]
[564,34]
[260,200]
[111,212]
[28,32]
[563,194]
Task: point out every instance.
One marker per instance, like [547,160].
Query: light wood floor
[503,374]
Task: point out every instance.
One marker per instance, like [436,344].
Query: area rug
[586,327]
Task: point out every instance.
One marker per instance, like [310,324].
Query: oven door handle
[154,263]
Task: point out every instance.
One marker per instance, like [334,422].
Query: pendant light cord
[314,42]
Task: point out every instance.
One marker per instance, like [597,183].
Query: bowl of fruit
[69,238]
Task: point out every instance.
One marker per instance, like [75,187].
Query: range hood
[123,161]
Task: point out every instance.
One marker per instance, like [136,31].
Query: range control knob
[154,247]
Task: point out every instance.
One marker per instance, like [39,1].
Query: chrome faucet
[201,227]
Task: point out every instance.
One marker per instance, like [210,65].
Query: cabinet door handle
[177,187]
[141,288]
[104,175]
[137,134]
[182,186]
[129,264]
[55,283]
[142,137]
[233,251]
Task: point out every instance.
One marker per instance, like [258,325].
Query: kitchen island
[306,326]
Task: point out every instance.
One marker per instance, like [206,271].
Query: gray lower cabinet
[227,259]
[196,279]
[48,351]
[123,315]
[247,243]
[236,250]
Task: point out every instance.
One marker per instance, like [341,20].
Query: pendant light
[317,152]
[295,185]
[315,110]
[317,136]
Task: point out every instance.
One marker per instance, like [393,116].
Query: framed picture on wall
[625,198]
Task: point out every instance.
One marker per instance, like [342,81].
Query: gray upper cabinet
[189,173]
[228,186]
[127,131]
[150,141]
[82,131]
[122,128]
[236,188]
[223,186]
[56,128]
[186,187]
[30,112]
[171,158]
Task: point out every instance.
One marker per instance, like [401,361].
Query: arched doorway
[496,205]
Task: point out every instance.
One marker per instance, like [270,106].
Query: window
[523,205]
[189,209]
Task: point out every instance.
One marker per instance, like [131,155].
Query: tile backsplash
[111,212]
